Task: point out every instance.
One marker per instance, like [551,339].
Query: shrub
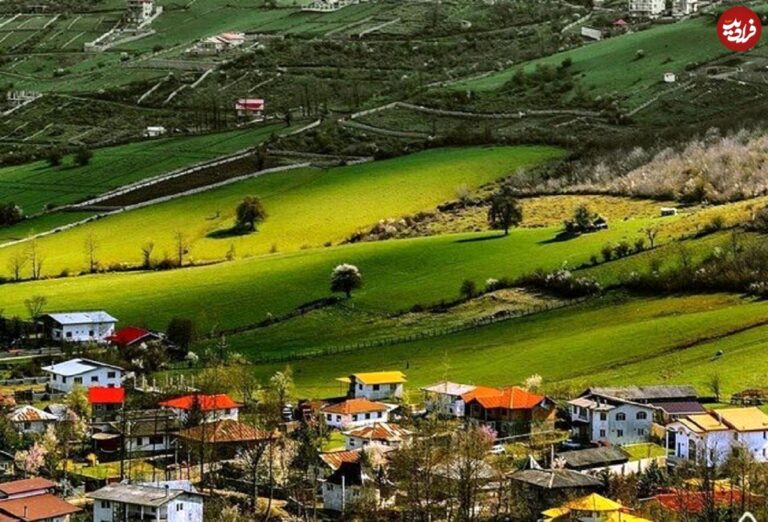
[468,289]
[561,282]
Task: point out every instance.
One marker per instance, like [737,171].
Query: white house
[79,327]
[29,419]
[346,485]
[382,433]
[354,412]
[374,385]
[212,407]
[154,131]
[166,501]
[670,77]
[64,376]
[138,11]
[684,7]
[445,398]
[597,418]
[647,8]
[710,437]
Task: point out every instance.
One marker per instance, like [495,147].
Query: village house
[62,412]
[211,407]
[354,412]
[162,501]
[510,411]
[614,460]
[542,488]
[64,376]
[374,385]
[646,8]
[154,131]
[610,420]
[224,439]
[682,8]
[79,327]
[139,11]
[33,500]
[345,486]
[131,336]
[105,402]
[710,437]
[381,433]
[445,398]
[249,107]
[220,42]
[28,419]
[142,431]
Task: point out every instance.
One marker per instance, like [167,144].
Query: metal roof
[77,367]
[647,393]
[556,478]
[449,388]
[593,457]
[138,495]
[97,316]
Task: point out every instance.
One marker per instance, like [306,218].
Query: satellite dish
[747,517]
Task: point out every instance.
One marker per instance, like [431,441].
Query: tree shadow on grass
[559,238]
[481,238]
[225,233]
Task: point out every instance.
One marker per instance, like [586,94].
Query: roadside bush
[561,282]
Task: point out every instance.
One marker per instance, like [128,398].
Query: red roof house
[695,502]
[36,508]
[25,487]
[130,335]
[509,410]
[249,105]
[214,407]
[104,395]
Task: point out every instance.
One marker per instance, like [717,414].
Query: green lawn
[306,208]
[612,341]
[33,185]
[612,65]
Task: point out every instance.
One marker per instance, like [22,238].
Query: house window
[641,415]
[90,333]
[329,417]
[603,416]
[78,380]
[329,486]
[621,416]
[602,434]
[69,335]
[641,431]
[367,415]
[105,504]
[376,387]
[95,378]
[359,386]
[156,439]
[619,433]
[27,425]
[179,507]
[354,417]
[111,375]
[338,418]
[64,379]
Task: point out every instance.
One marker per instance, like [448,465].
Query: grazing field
[306,208]
[614,340]
[35,185]
[613,66]
[397,274]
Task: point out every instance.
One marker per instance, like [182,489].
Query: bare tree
[182,247]
[36,259]
[91,246]
[16,264]
[146,254]
[715,385]
[35,306]
[651,233]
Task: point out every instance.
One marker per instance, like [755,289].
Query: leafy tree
[181,332]
[505,211]
[77,401]
[249,212]
[346,278]
[54,157]
[83,156]
[10,214]
[582,218]
[468,289]
[35,306]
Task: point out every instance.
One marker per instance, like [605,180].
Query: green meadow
[34,185]
[306,208]
[612,66]
[613,340]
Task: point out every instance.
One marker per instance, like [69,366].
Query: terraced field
[34,185]
[306,208]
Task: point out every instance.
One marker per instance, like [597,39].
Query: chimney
[167,490]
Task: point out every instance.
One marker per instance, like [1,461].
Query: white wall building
[445,399]
[381,433]
[354,412]
[647,8]
[163,501]
[64,376]
[375,385]
[596,418]
[79,327]
[684,7]
[346,485]
[710,437]
[212,407]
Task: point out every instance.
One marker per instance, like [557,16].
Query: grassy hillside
[612,341]
[397,274]
[34,185]
[613,66]
[306,208]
